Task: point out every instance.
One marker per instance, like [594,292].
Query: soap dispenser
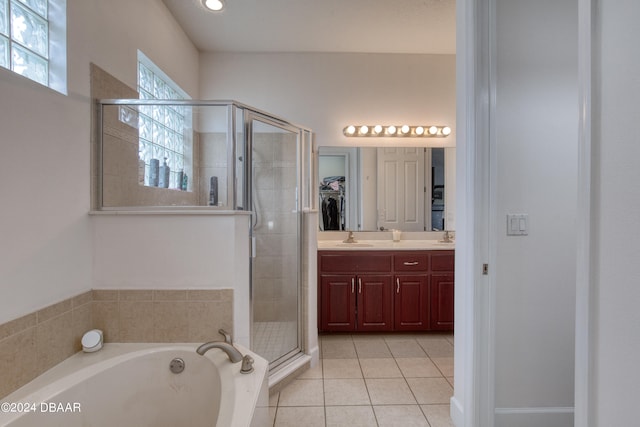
[163,179]
[141,169]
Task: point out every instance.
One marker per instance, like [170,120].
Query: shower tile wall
[275,229]
[120,154]
[37,341]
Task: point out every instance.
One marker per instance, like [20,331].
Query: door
[401,187]
[374,303]
[338,298]
[411,302]
[442,289]
[273,149]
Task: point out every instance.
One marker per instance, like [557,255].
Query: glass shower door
[276,224]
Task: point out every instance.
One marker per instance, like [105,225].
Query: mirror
[383,188]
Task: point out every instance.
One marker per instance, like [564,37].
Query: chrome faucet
[447,237]
[234,355]
[350,239]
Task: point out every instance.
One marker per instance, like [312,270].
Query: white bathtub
[131,385]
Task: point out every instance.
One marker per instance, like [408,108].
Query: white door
[401,188]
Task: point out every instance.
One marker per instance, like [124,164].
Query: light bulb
[215,5]
[391,130]
[405,129]
[446,130]
[419,130]
[377,129]
[433,130]
[350,130]
[364,130]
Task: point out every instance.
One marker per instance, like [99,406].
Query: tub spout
[234,355]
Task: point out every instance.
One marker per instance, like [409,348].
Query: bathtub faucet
[234,355]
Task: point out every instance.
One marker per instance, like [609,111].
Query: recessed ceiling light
[215,5]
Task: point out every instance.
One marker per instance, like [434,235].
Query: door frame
[473,401]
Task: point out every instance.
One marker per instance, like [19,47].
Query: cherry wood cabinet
[385,290]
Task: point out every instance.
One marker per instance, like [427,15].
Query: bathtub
[132,385]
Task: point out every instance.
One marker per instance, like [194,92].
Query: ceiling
[349,26]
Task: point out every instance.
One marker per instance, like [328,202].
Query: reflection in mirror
[372,189]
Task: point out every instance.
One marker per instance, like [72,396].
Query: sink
[355,245]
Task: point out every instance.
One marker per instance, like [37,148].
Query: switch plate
[517,224]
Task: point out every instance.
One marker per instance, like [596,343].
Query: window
[32,32]
[164,130]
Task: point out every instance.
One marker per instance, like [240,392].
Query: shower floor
[273,339]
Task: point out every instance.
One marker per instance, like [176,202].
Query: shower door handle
[252,244]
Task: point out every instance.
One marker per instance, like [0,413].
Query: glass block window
[25,38]
[163,129]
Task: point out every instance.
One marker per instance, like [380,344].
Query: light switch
[517,224]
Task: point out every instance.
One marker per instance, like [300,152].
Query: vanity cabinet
[355,292]
[385,290]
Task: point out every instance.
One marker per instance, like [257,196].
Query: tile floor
[372,380]
[273,339]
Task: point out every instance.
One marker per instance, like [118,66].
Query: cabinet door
[338,303]
[442,301]
[374,303]
[411,301]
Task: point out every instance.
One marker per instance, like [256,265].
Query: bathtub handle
[227,336]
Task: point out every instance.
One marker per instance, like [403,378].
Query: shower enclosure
[220,155]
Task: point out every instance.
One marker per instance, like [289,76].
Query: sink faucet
[350,239]
[447,237]
[234,355]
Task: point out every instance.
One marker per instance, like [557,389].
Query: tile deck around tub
[372,381]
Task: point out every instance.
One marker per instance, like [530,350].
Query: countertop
[384,245]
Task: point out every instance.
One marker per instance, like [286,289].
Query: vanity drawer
[442,261]
[342,262]
[411,262]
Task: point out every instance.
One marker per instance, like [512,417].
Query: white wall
[45,162]
[616,208]
[326,92]
[536,122]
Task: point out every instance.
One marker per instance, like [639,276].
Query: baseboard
[456,411]
[534,417]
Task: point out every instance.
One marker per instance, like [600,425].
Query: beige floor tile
[431,390]
[312,373]
[273,399]
[302,393]
[418,367]
[436,346]
[389,391]
[437,415]
[298,416]
[405,348]
[372,349]
[445,364]
[345,392]
[350,416]
[341,368]
[380,368]
[338,349]
[400,416]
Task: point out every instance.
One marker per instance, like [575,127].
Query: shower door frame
[249,116]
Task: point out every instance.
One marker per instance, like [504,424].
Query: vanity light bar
[431,131]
